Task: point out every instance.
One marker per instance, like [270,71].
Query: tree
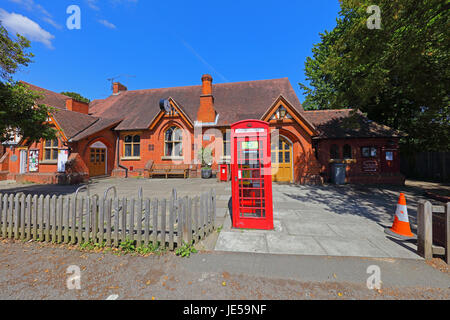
[76,96]
[399,74]
[18,104]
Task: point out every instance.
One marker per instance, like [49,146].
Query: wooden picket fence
[71,220]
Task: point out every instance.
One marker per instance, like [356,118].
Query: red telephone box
[251,175]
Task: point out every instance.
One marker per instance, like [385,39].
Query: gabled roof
[232,101]
[69,122]
[343,124]
[72,123]
[50,98]
[95,127]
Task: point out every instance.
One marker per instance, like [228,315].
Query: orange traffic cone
[401,228]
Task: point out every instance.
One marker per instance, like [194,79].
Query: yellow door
[97,162]
[282,161]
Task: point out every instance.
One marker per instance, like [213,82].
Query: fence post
[101,220]
[60,218]
[53,214]
[189,221]
[74,221]
[214,208]
[4,210]
[22,219]
[41,224]
[67,220]
[447,232]
[171,221]
[27,235]
[131,231]
[425,230]
[139,223]
[179,215]
[124,219]
[94,219]
[196,200]
[116,223]
[155,223]
[17,210]
[80,221]
[147,222]
[108,205]
[47,218]
[87,234]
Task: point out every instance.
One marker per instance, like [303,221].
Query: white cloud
[107,24]
[93,4]
[17,23]
[31,6]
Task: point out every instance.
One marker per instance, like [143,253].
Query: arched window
[173,139]
[334,152]
[132,146]
[347,151]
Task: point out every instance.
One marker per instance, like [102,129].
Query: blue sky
[166,43]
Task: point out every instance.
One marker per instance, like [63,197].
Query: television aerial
[113,79]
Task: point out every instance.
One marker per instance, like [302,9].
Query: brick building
[131,131]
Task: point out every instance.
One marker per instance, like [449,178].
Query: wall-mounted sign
[370,166]
[254,130]
[13,158]
[33,163]
[63,155]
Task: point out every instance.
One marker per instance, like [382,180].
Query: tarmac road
[35,271]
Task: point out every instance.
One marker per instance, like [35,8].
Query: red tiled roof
[72,122]
[95,127]
[50,98]
[343,123]
[232,101]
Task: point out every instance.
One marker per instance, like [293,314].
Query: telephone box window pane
[365,152]
[389,155]
[373,152]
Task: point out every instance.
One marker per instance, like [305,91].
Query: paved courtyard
[309,220]
[329,220]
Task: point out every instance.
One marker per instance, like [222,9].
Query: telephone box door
[251,174]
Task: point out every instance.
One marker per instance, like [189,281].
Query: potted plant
[205,155]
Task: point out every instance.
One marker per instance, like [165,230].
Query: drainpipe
[118,156]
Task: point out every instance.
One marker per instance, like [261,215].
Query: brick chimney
[77,106]
[206,112]
[118,88]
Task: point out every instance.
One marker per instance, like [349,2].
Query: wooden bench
[168,170]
